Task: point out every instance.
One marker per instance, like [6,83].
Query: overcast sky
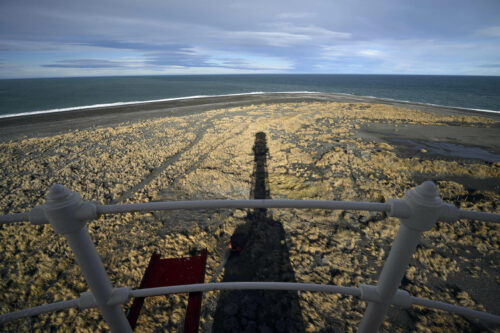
[97,38]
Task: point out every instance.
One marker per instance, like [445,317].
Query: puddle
[449,149]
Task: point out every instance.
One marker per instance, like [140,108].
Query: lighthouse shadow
[259,253]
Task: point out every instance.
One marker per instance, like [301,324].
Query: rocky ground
[322,151]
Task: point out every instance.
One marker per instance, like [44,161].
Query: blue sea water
[31,95]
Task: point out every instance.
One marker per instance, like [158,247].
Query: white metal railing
[418,211]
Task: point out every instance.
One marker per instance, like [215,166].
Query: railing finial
[68,214]
[422,208]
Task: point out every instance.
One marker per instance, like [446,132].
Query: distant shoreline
[60,121]
[195,97]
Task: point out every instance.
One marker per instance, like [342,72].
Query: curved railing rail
[419,210]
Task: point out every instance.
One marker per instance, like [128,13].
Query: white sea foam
[95,106]
[105,105]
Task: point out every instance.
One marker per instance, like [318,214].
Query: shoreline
[129,103]
[45,123]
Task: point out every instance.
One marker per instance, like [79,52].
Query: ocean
[21,96]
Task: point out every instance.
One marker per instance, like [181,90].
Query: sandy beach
[59,122]
[290,146]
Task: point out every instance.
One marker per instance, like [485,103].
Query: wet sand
[61,122]
[313,149]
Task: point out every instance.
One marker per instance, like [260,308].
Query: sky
[157,37]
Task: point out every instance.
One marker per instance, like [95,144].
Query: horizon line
[238,74]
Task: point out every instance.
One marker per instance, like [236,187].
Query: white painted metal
[487,317]
[401,298]
[481,216]
[36,218]
[390,278]
[11,218]
[246,286]
[258,203]
[39,310]
[425,206]
[419,210]
[68,215]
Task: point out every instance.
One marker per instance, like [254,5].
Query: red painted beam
[174,272]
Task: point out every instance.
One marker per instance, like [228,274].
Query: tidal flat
[317,150]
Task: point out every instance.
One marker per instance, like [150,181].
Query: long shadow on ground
[259,253]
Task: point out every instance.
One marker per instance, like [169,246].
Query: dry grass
[313,154]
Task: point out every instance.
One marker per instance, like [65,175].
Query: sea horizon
[21,97]
[238,74]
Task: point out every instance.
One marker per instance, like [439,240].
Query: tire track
[201,158]
[200,134]
[157,171]
[172,187]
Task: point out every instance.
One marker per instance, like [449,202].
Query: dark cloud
[178,58]
[86,63]
[391,35]
[187,58]
[236,63]
[134,45]
[490,66]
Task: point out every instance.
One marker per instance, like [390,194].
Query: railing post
[68,214]
[423,206]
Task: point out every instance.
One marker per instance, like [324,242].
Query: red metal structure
[174,272]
